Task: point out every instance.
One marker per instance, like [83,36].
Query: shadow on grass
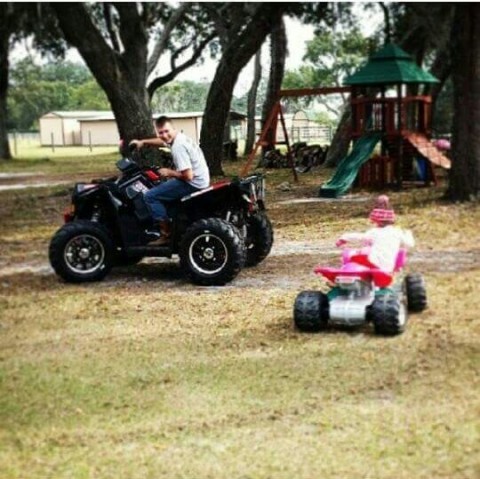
[147,276]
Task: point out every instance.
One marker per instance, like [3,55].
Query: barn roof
[75,115]
[87,116]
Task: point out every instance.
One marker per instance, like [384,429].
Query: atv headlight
[253,193]
[261,189]
[80,187]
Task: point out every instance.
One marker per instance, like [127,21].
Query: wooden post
[399,162]
[261,141]
[354,107]
[384,121]
[289,151]
[15,142]
[53,143]
[90,140]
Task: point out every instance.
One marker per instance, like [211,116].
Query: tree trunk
[235,56]
[387,29]
[252,104]
[465,55]
[278,50]
[341,139]
[121,76]
[5,153]
[442,69]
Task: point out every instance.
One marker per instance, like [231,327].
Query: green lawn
[31,157]
[146,376]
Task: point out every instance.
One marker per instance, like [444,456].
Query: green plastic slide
[348,168]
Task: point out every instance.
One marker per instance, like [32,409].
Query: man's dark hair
[161,120]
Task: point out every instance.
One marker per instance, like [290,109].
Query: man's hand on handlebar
[135,144]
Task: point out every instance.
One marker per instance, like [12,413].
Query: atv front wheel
[81,251]
[212,252]
[310,312]
[388,314]
[259,239]
[416,292]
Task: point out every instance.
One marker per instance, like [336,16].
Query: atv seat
[380,278]
[213,186]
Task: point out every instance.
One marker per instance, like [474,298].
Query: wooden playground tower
[402,124]
[404,121]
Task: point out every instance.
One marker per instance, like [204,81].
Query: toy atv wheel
[212,252]
[81,251]
[416,292]
[388,314]
[310,312]
[259,239]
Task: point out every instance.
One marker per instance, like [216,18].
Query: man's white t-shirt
[187,154]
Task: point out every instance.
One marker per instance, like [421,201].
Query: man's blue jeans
[168,191]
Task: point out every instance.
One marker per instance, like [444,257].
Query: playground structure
[401,124]
[388,111]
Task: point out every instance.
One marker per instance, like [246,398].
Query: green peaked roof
[390,65]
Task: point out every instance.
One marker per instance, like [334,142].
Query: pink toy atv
[361,294]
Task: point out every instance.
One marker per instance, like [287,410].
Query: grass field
[146,376]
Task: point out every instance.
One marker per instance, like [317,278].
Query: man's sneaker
[154,234]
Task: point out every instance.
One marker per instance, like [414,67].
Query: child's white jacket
[384,243]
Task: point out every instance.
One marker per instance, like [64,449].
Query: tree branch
[219,22]
[159,81]
[80,31]
[387,28]
[131,29]
[107,13]
[162,41]
[175,55]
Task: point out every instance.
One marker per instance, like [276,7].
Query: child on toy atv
[381,243]
[363,288]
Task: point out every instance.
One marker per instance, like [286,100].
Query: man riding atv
[215,231]
[191,173]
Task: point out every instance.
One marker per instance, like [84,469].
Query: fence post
[15,142]
[53,143]
[90,140]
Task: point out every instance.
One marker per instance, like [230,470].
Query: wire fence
[24,138]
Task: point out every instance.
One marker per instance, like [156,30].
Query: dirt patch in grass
[145,375]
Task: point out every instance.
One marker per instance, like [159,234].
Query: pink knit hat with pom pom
[382,213]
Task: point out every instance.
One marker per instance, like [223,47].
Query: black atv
[215,232]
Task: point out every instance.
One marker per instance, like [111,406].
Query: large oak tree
[113,39]
[6,14]
[465,49]
[243,28]
[17,21]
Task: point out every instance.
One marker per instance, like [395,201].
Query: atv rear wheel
[388,314]
[416,292]
[81,251]
[212,252]
[310,312]
[259,239]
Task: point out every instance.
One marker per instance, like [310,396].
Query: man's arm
[148,142]
[185,175]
